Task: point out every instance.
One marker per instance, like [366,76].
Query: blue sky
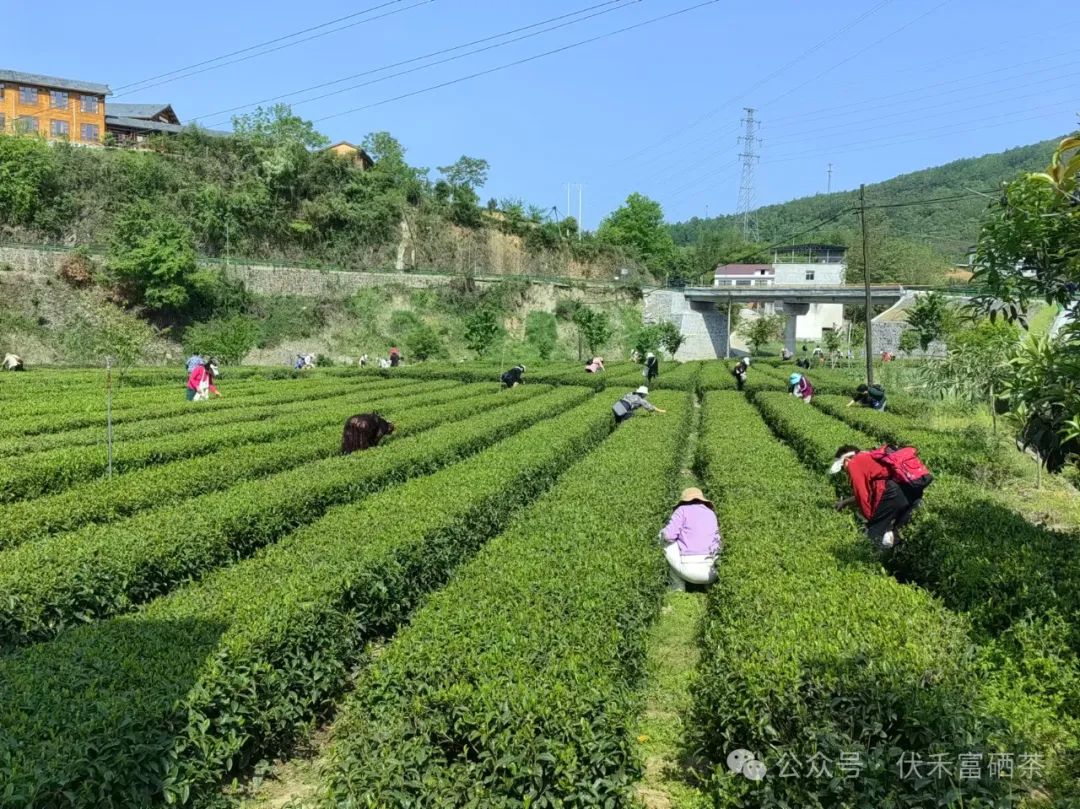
[876,87]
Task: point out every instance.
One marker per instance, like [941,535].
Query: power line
[607,8]
[522,61]
[842,62]
[859,52]
[812,49]
[208,65]
[950,107]
[862,145]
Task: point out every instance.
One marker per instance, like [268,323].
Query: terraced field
[465,615]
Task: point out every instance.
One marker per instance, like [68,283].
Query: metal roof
[745,269]
[142,111]
[89,87]
[141,125]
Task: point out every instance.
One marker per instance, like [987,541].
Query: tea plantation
[463,615]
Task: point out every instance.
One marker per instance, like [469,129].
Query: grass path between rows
[673,652]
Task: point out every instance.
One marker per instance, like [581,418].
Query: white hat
[838,464]
[746,360]
[642,391]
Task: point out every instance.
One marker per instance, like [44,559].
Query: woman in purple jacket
[693,540]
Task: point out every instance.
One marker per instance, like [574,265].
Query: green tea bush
[318,437]
[41,473]
[98,571]
[197,418]
[156,707]
[1015,582]
[514,686]
[36,424]
[808,650]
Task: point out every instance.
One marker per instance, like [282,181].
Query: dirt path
[668,782]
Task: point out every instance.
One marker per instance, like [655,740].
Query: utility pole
[828,183]
[568,200]
[866,287]
[580,195]
[750,141]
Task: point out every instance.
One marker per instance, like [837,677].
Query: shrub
[515,685]
[228,340]
[808,651]
[102,570]
[159,705]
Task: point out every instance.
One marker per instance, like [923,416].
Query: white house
[809,265]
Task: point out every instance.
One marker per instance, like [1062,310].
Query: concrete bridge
[701,312]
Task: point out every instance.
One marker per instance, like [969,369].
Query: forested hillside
[950,229]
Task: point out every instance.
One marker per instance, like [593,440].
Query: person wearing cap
[625,407]
[799,385]
[513,377]
[739,372]
[693,541]
[884,504]
[652,368]
[872,396]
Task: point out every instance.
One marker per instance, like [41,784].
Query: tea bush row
[809,650]
[34,425]
[1015,582]
[515,685]
[155,707]
[195,417]
[107,500]
[28,476]
[101,570]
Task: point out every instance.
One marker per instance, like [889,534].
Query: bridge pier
[792,310]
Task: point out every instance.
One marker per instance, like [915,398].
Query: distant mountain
[951,227]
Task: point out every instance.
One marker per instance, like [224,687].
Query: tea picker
[888,485]
[625,407]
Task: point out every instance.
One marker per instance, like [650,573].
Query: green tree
[482,329]
[541,331]
[648,339]
[1029,249]
[227,339]
[930,317]
[763,330]
[153,258]
[466,172]
[28,179]
[593,327]
[423,343]
[671,338]
[279,125]
[638,227]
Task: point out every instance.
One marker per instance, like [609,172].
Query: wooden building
[55,108]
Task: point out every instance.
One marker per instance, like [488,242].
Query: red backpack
[904,465]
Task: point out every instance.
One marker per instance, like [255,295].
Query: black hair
[863,388]
[845,449]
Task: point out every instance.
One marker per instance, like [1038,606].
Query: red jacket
[198,375]
[868,479]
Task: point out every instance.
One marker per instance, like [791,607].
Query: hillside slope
[951,228]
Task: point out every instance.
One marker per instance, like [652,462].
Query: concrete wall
[795,274]
[821,316]
[701,323]
[274,280]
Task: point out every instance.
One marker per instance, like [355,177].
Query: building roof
[144,112]
[141,125]
[745,269]
[364,156]
[812,246]
[88,87]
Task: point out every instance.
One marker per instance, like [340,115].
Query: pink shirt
[695,529]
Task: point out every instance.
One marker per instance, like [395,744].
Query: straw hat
[642,391]
[694,495]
